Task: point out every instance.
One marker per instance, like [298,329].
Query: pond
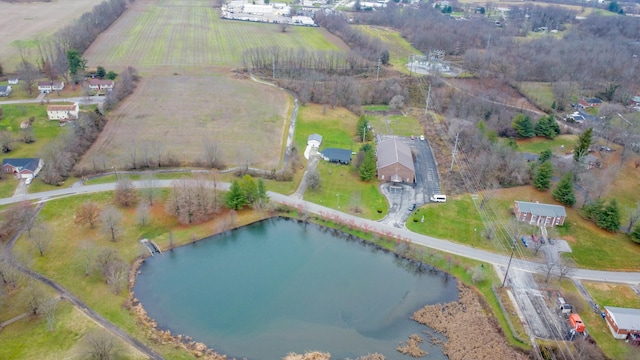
[279,286]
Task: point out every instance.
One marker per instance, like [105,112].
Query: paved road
[81,100]
[369,225]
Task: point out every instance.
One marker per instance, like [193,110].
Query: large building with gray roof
[395,161]
[540,214]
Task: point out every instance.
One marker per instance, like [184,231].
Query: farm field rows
[180,113]
[29,21]
[191,34]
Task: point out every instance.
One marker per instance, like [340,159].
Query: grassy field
[399,48]
[558,146]
[178,34]
[395,124]
[181,113]
[44,130]
[22,23]
[540,93]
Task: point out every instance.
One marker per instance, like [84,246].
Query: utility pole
[273,71]
[513,247]
[455,150]
[378,69]
[426,108]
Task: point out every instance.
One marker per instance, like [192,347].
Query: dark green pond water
[277,286]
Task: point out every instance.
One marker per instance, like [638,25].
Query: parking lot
[401,197]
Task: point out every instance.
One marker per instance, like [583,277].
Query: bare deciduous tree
[191,200]
[87,247]
[111,219]
[148,190]
[634,216]
[41,237]
[143,212]
[125,194]
[100,345]
[212,154]
[314,180]
[48,311]
[33,297]
[87,213]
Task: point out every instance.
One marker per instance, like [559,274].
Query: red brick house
[538,214]
[622,321]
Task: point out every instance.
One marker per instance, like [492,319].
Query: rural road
[370,225]
[81,100]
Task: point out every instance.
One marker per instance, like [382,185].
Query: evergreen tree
[101,72]
[76,61]
[564,190]
[545,155]
[542,180]
[523,126]
[368,168]
[609,217]
[635,234]
[362,129]
[547,127]
[262,190]
[384,57]
[235,198]
[582,146]
[249,189]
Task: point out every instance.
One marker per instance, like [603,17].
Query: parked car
[412,137]
[422,137]
[28,181]
[524,241]
[413,207]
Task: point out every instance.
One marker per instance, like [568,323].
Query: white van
[438,198]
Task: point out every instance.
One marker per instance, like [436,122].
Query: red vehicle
[576,322]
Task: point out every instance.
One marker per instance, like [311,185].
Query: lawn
[176,115]
[558,146]
[182,34]
[399,48]
[395,124]
[464,225]
[337,127]
[540,93]
[617,295]
[44,130]
[342,189]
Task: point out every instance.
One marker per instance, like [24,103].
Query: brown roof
[100,82]
[391,151]
[61,108]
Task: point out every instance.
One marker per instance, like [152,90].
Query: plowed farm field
[27,22]
[188,33]
[176,115]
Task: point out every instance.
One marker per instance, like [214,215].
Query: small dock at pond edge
[151,246]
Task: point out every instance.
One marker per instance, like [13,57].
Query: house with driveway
[395,161]
[46,87]
[538,214]
[100,84]
[63,112]
[589,102]
[22,168]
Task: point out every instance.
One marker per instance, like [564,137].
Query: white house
[13,81]
[63,112]
[46,87]
[100,84]
[313,144]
